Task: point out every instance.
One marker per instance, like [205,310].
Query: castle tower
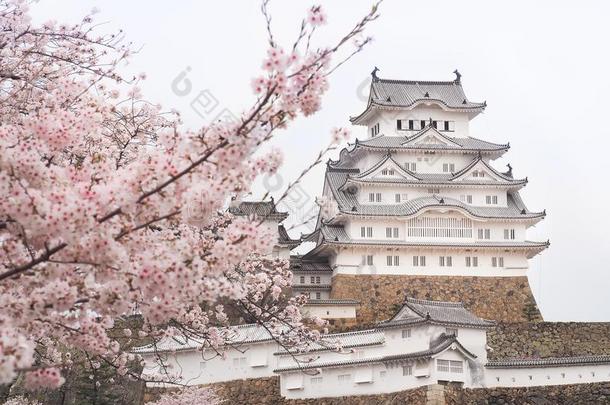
[418,208]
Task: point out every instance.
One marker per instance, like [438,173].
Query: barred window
[432,227]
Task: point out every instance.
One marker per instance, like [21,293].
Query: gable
[479,171]
[405,313]
[387,169]
[430,136]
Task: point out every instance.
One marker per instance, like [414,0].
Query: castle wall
[507,299]
[265,391]
[549,339]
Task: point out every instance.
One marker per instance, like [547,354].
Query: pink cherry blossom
[316,16]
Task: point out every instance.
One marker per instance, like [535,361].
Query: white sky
[543,67]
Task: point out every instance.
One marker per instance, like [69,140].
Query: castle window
[371,197]
[434,190]
[497,262]
[383,374]
[318,295]
[393,260]
[411,166]
[411,125]
[435,124]
[491,199]
[344,377]
[406,333]
[433,227]
[509,234]
[397,197]
[419,261]
[317,279]
[466,198]
[442,365]
[422,123]
[302,279]
[312,280]
[399,124]
[407,370]
[375,130]
[391,232]
[448,167]
[366,232]
[472,261]
[484,233]
[445,261]
[378,197]
[456,366]
[316,380]
[369,260]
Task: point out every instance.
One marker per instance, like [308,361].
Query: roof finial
[374,74]
[431,121]
[458,76]
[510,170]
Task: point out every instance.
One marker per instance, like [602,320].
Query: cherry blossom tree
[110,208]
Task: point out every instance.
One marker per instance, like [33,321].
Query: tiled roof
[428,179]
[311,286]
[336,234]
[407,93]
[345,341]
[549,362]
[284,239]
[468,144]
[454,313]
[235,335]
[258,210]
[300,265]
[442,344]
[332,301]
[349,204]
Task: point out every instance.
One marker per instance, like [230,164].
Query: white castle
[418,196]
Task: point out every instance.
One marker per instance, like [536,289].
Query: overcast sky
[543,67]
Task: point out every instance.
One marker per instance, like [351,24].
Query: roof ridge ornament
[427,95]
[374,74]
[458,77]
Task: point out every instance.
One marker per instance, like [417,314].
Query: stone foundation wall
[549,339]
[507,299]
[598,393]
[266,391]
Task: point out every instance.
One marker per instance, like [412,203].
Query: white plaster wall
[387,120]
[196,367]
[388,194]
[535,376]
[312,294]
[324,278]
[425,162]
[330,311]
[349,261]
